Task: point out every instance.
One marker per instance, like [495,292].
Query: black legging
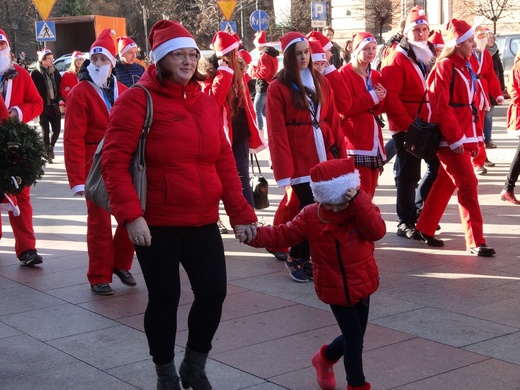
[352,321]
[304,193]
[514,172]
[201,252]
[55,124]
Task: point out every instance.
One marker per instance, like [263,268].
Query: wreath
[22,156]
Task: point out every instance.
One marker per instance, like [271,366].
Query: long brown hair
[237,85]
[290,76]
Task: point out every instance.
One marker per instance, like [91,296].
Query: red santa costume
[21,97]
[342,95]
[292,160]
[454,108]
[219,87]
[88,107]
[482,64]
[70,77]
[404,77]
[362,129]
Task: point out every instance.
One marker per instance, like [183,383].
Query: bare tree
[492,10]
[381,14]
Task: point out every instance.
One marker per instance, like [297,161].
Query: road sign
[227,7]
[318,14]
[230,27]
[259,20]
[44,7]
[45,31]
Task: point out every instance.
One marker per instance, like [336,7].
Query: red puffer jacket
[342,253]
[189,164]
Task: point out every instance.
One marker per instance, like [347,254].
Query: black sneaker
[30,258]
[102,289]
[405,230]
[296,271]
[307,268]
[126,277]
[430,240]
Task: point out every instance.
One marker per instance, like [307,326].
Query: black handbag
[259,186]
[422,138]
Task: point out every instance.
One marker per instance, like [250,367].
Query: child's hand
[351,194]
[245,233]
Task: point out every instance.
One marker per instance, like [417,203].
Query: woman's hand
[138,232]
[245,233]
[458,149]
[380,91]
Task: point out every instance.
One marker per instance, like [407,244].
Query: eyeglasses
[179,55]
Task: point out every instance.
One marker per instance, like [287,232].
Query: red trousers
[22,225]
[104,251]
[456,172]
[369,177]
[480,158]
[288,208]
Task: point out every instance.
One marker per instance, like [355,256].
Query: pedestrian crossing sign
[45,31]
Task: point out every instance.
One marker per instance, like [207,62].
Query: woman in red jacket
[231,93]
[304,129]
[70,77]
[454,94]
[362,126]
[189,169]
[513,127]
[341,229]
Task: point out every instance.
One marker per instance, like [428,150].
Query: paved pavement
[441,319]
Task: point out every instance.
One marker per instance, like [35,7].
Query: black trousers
[514,171]
[352,321]
[304,193]
[412,193]
[201,252]
[47,122]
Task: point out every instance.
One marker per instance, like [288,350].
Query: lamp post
[145,23]
[14,25]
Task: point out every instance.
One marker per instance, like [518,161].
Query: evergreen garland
[22,156]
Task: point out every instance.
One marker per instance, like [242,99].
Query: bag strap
[253,165]
[146,125]
[149,110]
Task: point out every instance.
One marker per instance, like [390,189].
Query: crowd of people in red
[325,140]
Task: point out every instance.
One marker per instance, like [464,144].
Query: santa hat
[291,38]
[330,180]
[325,42]
[124,44]
[360,40]
[3,37]
[223,42]
[436,39]
[104,44]
[77,55]
[43,53]
[167,36]
[260,39]
[317,52]
[244,54]
[415,17]
[458,31]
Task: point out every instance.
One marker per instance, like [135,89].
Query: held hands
[138,232]
[245,233]
[380,91]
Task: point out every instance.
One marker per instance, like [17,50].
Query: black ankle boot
[193,372]
[167,378]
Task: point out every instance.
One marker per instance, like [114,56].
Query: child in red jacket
[341,228]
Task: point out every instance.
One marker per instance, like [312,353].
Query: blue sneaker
[295,267]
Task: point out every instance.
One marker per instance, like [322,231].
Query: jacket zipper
[343,273]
